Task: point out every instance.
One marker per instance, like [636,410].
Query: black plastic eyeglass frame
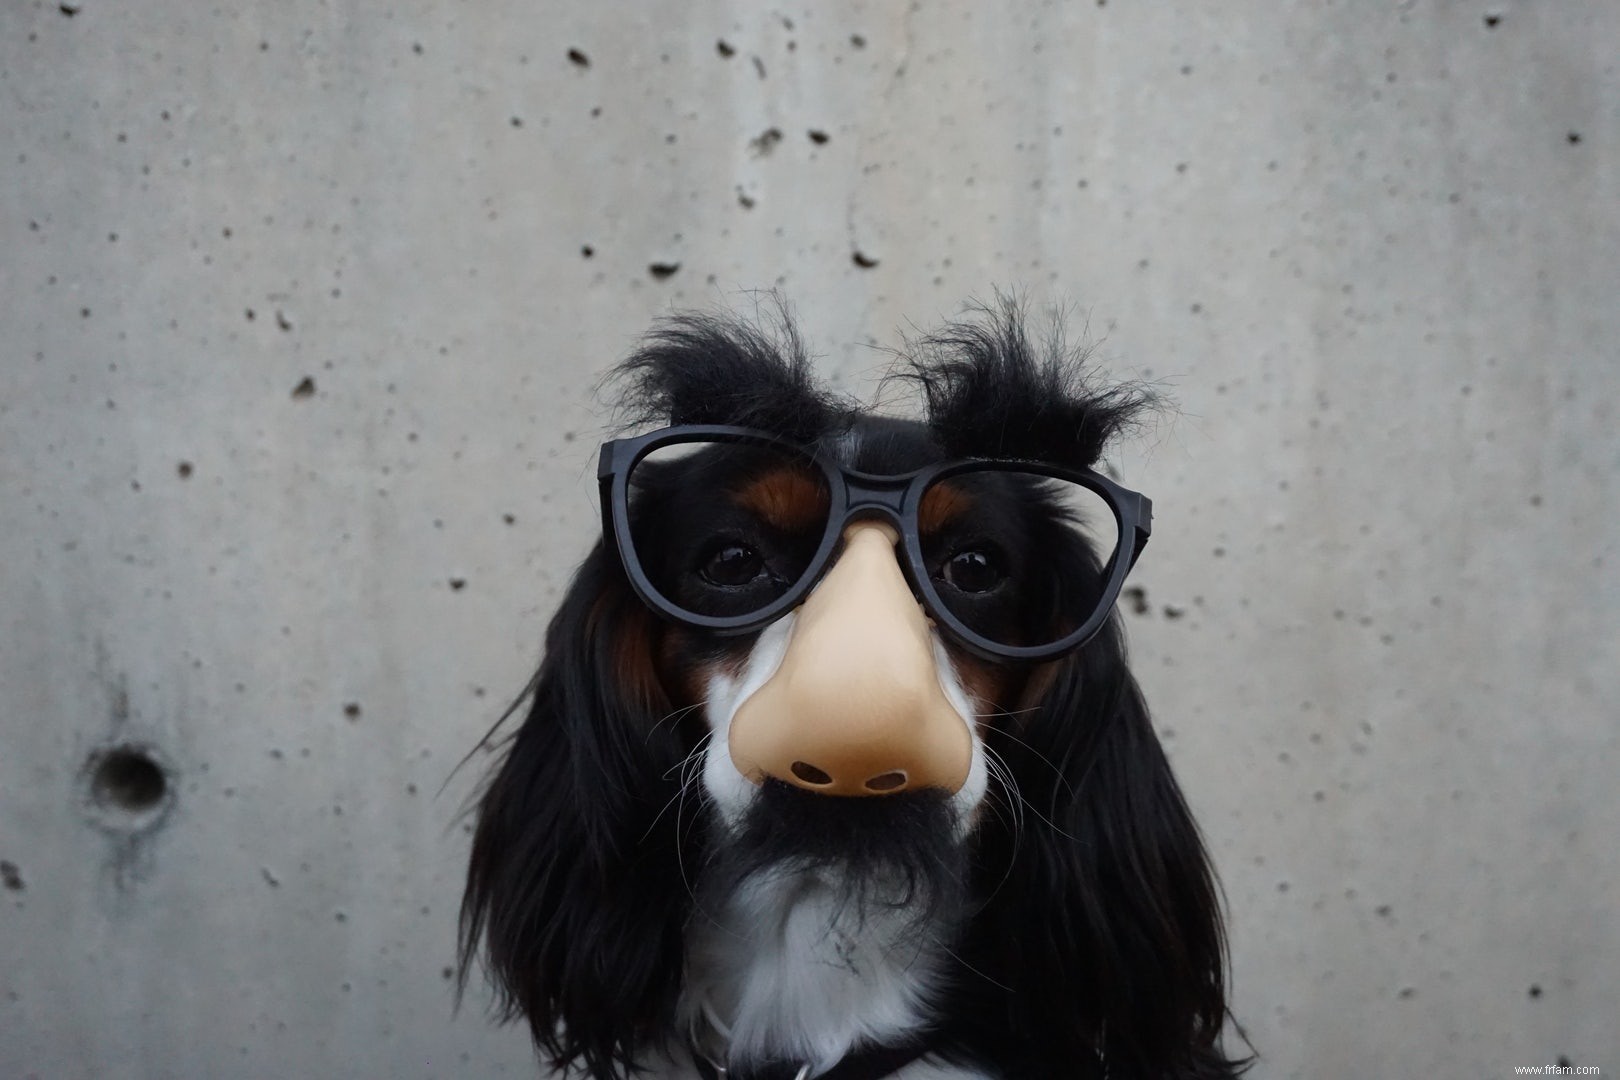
[855,494]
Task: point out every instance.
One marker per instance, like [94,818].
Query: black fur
[701,369]
[992,392]
[895,852]
[574,886]
[1102,925]
[1090,916]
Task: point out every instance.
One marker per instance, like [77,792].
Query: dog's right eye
[730,564]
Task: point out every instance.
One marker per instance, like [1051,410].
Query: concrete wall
[300,308]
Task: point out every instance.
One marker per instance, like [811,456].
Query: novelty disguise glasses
[726,529]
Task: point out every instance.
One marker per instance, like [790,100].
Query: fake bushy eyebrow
[992,392]
[705,369]
[989,390]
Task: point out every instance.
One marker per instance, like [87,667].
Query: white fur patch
[925,1068]
[789,968]
[730,789]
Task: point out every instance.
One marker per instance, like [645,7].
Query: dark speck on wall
[818,137]
[863,260]
[663,270]
[304,389]
[725,49]
[765,141]
[457,584]
[578,58]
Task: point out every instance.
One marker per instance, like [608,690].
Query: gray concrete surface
[300,308]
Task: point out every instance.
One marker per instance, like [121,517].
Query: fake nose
[856,707]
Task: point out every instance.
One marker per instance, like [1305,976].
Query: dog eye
[973,571]
[730,564]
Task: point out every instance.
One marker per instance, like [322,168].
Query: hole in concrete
[810,774]
[889,781]
[126,778]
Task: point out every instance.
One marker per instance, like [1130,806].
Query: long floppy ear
[1101,914]
[1103,917]
[574,889]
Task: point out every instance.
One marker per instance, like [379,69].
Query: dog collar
[868,1063]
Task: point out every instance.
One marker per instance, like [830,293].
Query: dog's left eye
[730,564]
[973,571]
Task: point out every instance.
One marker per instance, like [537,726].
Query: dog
[833,765]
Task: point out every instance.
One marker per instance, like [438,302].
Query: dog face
[833,744]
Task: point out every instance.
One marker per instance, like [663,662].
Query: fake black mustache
[897,852]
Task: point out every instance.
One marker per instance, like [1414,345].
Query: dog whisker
[1042,758]
[684,768]
[1019,796]
[675,715]
[954,955]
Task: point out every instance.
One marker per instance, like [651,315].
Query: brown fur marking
[941,504]
[787,499]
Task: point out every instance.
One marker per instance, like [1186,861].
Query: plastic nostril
[810,774]
[889,781]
